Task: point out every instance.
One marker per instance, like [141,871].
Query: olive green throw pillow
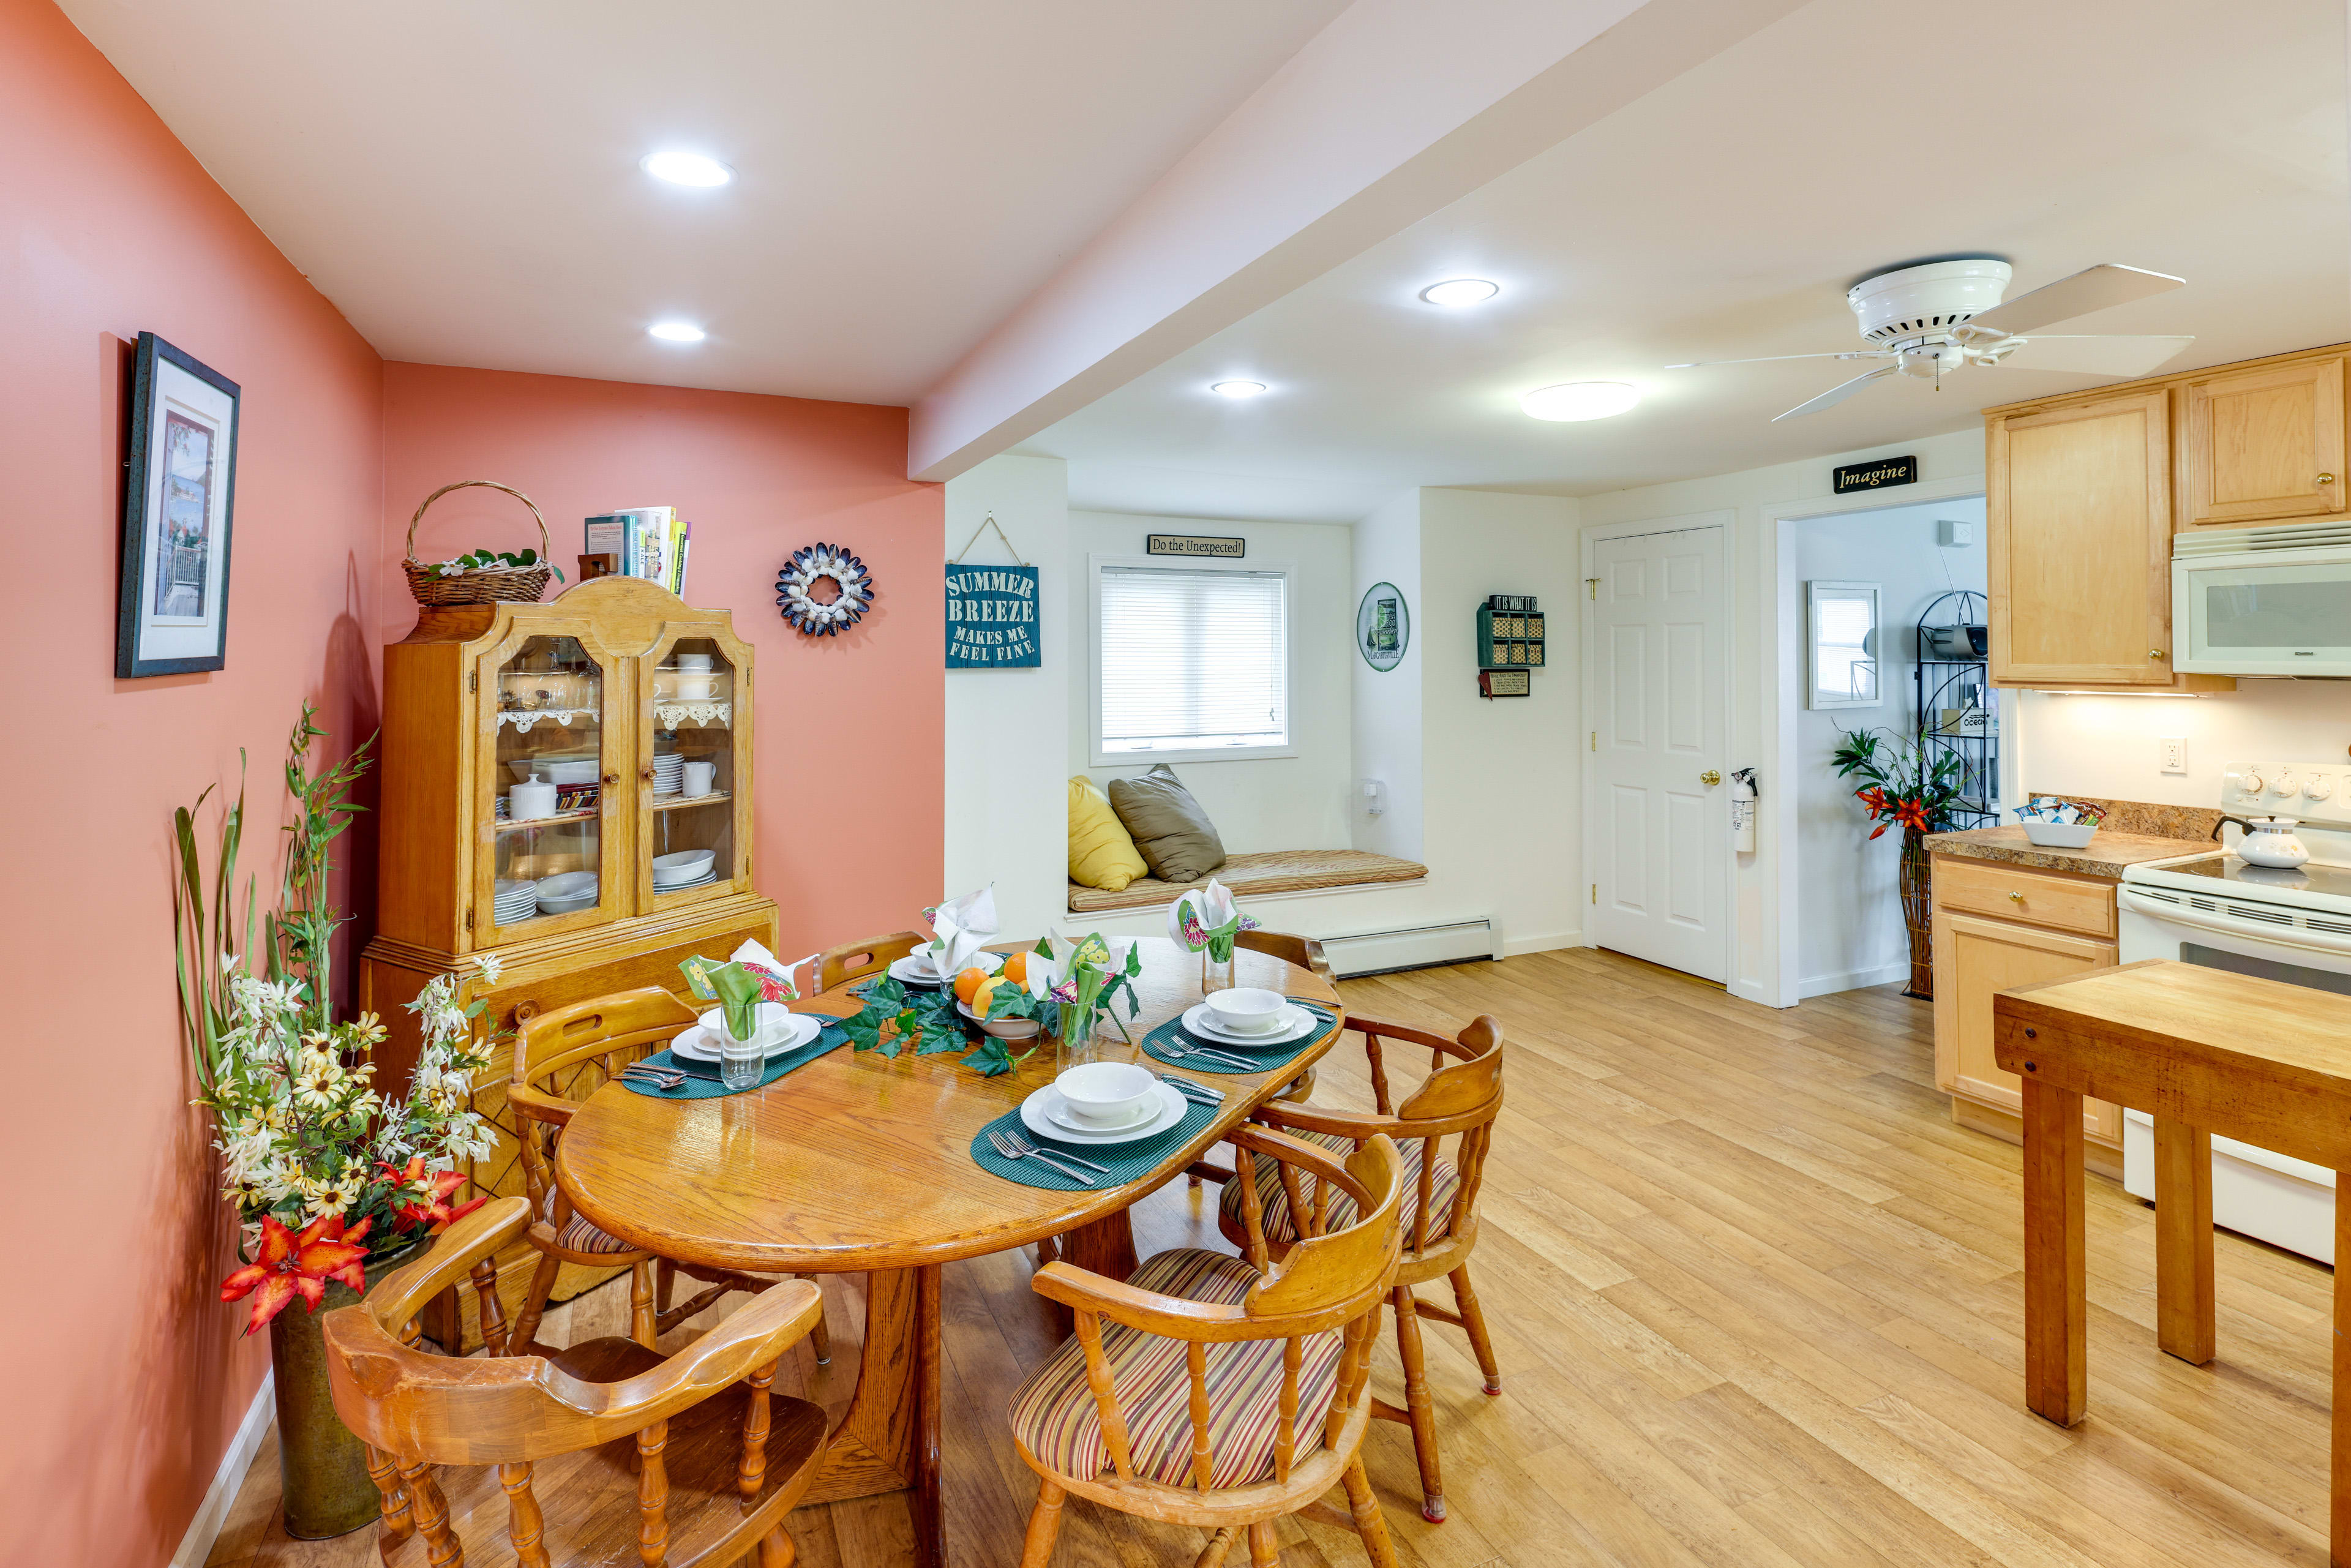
[1177,840]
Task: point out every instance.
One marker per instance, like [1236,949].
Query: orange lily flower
[292,1265]
[433,1210]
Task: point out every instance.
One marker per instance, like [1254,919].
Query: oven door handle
[2160,906]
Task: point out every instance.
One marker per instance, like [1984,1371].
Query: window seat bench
[1278,871]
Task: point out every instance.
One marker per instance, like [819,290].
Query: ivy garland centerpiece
[329,1177]
[1065,993]
[1907,785]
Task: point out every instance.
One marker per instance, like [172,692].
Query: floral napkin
[1207,919]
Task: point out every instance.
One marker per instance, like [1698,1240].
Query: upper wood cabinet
[2264,443]
[2079,523]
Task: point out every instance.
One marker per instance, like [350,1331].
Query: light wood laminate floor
[1757,1303]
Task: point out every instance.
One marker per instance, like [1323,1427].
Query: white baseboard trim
[1514,946]
[1853,979]
[205,1528]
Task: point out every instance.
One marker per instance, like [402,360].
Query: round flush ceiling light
[1580,399]
[1455,292]
[676,331]
[686,169]
[1236,389]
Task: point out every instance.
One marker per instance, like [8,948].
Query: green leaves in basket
[482,559]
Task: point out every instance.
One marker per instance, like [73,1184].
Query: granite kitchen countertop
[2106,853]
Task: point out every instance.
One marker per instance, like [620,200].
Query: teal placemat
[1268,1058]
[702,1077]
[1126,1162]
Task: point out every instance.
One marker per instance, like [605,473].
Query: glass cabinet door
[695,761]
[548,781]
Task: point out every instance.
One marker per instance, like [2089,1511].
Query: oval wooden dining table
[861,1164]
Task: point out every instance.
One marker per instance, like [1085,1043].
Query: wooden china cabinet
[621,697]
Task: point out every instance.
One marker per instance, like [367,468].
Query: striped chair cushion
[1054,1413]
[579,1236]
[1445,1185]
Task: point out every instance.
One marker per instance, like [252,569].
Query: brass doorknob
[2326,478]
[1711,776]
[2155,653]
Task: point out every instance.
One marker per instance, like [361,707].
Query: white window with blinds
[1191,662]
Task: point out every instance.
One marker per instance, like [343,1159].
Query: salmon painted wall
[126,1375]
[847,835]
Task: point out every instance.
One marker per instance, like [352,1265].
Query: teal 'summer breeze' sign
[991,618]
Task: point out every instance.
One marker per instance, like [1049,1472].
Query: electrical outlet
[2173,751]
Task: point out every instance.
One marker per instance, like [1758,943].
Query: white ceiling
[1725,213]
[461,180]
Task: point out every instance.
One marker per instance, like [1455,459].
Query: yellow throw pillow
[1101,852]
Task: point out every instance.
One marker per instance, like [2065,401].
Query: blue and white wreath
[810,564]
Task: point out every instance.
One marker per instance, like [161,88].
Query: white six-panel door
[1660,820]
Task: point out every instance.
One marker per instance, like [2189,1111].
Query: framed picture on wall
[178,497]
[1841,637]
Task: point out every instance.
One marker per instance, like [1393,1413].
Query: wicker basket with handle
[481,584]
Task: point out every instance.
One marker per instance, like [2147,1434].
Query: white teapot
[2272,842]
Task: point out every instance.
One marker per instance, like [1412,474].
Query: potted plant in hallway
[1906,785]
[330,1180]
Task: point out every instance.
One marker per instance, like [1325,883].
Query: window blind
[1192,661]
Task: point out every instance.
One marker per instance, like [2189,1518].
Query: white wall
[1849,912]
[1386,704]
[1006,782]
[1261,803]
[1764,968]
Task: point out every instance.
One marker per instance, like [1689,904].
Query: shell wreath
[806,613]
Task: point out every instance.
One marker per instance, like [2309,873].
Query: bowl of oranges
[975,993]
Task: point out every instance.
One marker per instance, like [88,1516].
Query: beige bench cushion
[1280,871]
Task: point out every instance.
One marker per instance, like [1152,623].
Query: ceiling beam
[1393,111]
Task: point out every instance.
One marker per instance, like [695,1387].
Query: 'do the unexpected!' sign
[992,618]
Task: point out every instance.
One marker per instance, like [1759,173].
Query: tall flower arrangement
[1904,784]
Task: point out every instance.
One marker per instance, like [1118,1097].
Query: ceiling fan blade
[2091,288]
[2094,356]
[1837,394]
[1767,359]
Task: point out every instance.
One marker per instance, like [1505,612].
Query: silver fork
[1011,1150]
[1018,1141]
[666,1078]
[1180,1051]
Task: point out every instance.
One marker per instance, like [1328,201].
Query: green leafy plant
[209,949]
[1905,783]
[483,560]
[303,930]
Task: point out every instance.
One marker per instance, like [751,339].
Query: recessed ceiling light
[1236,389]
[1580,400]
[1455,292]
[686,169]
[676,331]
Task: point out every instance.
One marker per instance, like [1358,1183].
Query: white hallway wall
[1764,966]
[1265,804]
[1849,910]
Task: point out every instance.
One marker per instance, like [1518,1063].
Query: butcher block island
[2007,912]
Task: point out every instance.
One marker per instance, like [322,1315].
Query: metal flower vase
[1917,882]
[321,1466]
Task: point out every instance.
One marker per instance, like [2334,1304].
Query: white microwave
[2263,601]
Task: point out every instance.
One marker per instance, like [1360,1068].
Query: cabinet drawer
[2011,893]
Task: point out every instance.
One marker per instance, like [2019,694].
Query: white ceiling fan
[1932,319]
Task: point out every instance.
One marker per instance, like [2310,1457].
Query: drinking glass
[1216,973]
[1077,1044]
[740,1059]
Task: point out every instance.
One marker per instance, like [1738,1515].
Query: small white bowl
[682,866]
[2060,835]
[566,884]
[1246,1009]
[1108,1093]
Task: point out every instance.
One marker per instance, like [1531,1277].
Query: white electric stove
[2291,925]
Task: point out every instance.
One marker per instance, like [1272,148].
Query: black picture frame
[179,506]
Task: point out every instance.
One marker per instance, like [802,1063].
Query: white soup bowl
[1107,1093]
[1246,1009]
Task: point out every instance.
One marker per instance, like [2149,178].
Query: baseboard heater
[1412,948]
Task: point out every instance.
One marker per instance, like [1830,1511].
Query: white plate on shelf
[700,1044]
[1036,1116]
[1296,1023]
[703,881]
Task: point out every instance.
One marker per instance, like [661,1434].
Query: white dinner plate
[698,1043]
[1036,1116]
[704,880]
[907,970]
[1297,1024]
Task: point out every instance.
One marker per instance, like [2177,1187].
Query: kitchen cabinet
[2052,925]
[2078,528]
[2264,443]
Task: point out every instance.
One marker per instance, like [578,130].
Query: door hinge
[1591,587]
[1596,741]
[469,917]
[473,680]
[1595,892]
